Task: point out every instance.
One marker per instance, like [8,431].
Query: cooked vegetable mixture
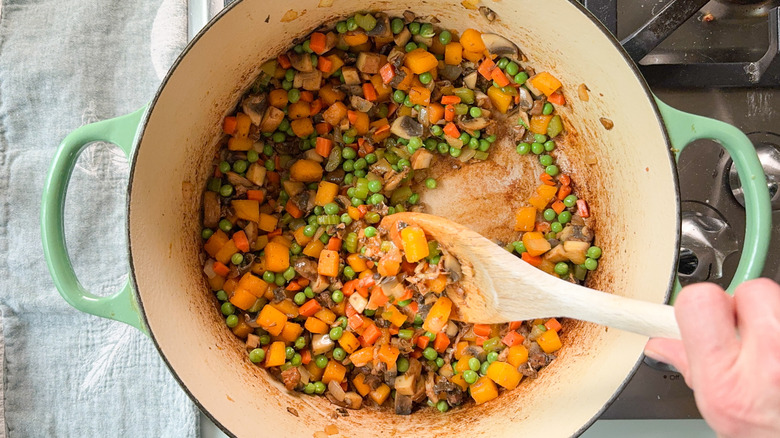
[330,297]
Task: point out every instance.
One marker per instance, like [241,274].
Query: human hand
[729,355]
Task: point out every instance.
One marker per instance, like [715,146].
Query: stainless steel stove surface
[721,62]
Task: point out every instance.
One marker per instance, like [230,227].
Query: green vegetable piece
[231,321]
[561,268]
[594,252]
[397,25]
[555,127]
[257,355]
[591,264]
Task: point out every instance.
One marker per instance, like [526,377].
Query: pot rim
[142,129]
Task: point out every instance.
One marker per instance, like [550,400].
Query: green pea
[236,259]
[430,183]
[309,388]
[279,281]
[549,145]
[371,158]
[473,143]
[349,178]
[300,343]
[537,148]
[443,148]
[360,164]
[265,339]
[564,217]
[228,309]
[335,333]
[360,173]
[397,25]
[403,163]
[540,138]
[347,139]
[321,361]
[570,201]
[341,27]
[299,298]
[369,231]
[319,387]
[437,130]
[426,30]
[561,268]
[442,406]
[324,238]
[348,165]
[269,165]
[337,296]
[222,295]
[268,277]
[257,355]
[351,24]
[349,272]
[512,68]
[545,160]
[295,249]
[470,376]
[556,227]
[492,357]
[430,354]
[309,230]
[502,63]
[491,138]
[519,246]
[521,77]
[523,148]
[484,367]
[348,154]
[296,360]
[287,84]
[224,167]
[445,37]
[356,202]
[425,78]
[289,273]
[331,208]
[206,233]
[226,190]
[338,353]
[410,46]
[375,186]
[232,320]
[474,364]
[399,96]
[455,152]
[308,292]
[252,155]
[552,170]
[549,214]
[415,198]
[475,112]
[225,225]
[547,108]
[289,352]
[376,198]
[402,364]
[414,27]
[594,252]
[591,264]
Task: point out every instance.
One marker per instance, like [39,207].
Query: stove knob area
[769,154]
[707,239]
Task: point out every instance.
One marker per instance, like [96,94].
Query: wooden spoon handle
[649,319]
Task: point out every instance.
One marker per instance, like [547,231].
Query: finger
[758,312]
[707,320]
[669,351]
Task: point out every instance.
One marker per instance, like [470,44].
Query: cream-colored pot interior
[631,190]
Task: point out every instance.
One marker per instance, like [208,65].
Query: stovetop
[721,62]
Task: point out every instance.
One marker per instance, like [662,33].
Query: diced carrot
[513,338]
[547,179]
[435,113]
[553,324]
[323,146]
[349,287]
[482,329]
[318,42]
[564,179]
[558,206]
[369,92]
[451,130]
[355,321]
[220,269]
[582,208]
[293,286]
[334,244]
[387,72]
[449,113]
[316,106]
[316,325]
[377,300]
[514,325]
[284,61]
[322,128]
[324,64]
[549,341]
[557,98]
[450,99]
[439,315]
[293,209]
[371,334]
[273,177]
[309,308]
[422,341]
[305,356]
[532,260]
[564,191]
[486,68]
[441,342]
[498,75]
[307,96]
[542,226]
[229,125]
[239,238]
[255,195]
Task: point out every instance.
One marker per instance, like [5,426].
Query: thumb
[669,351]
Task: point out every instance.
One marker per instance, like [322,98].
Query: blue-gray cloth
[64,63]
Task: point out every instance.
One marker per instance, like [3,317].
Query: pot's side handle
[684,128]
[121,306]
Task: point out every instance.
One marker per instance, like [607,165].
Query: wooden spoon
[496,286]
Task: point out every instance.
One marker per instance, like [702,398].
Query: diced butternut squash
[328,263]
[306,171]
[415,244]
[240,143]
[439,315]
[242,299]
[420,96]
[357,263]
[335,113]
[545,82]
[243,122]
[517,355]
[380,394]
[316,326]
[326,315]
[216,242]
[277,257]
[278,97]
[549,341]
[272,320]
[291,331]
[453,53]
[420,60]
[525,219]
[315,371]
[302,127]
[483,390]
[253,284]
[349,342]
[299,110]
[535,243]
[437,284]
[504,374]
[226,252]
[360,384]
[247,210]
[301,238]
[287,307]
[501,100]
[538,124]
[334,371]
[330,95]
[544,194]
[267,222]
[460,381]
[326,193]
[276,355]
[362,357]
[471,40]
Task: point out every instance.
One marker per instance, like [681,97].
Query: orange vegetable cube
[357,263]
[459,347]
[277,257]
[247,210]
[415,245]
[502,101]
[439,315]
[326,315]
[267,222]
[460,381]
[362,357]
[316,326]
[300,238]
[313,248]
[299,110]
[420,96]
[549,341]
[278,97]
[360,384]
[306,171]
[275,356]
[216,242]
[240,144]
[517,355]
[253,284]
[483,390]
[380,394]
[315,371]
[349,342]
[504,374]
[334,371]
[335,113]
[326,193]
[226,252]
[272,320]
[388,355]
[535,243]
[525,219]
[291,331]
[545,82]
[302,127]
[453,53]
[420,61]
[471,39]
[287,307]
[243,122]
[242,299]
[328,263]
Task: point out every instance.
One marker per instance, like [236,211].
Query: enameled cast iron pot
[632,190]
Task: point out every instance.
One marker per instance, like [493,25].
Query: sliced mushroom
[301,61]
[306,268]
[396,57]
[308,80]
[556,255]
[537,108]
[254,106]
[576,251]
[271,119]
[382,28]
[368,62]
[403,404]
[470,80]
[408,16]
[321,344]
[238,180]
[526,100]
[351,75]
[472,124]
[421,159]
[403,37]
[419,39]
[452,265]
[406,127]
[498,45]
[360,104]
[451,72]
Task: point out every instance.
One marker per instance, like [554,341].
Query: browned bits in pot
[470,4]
[331,429]
[488,13]
[289,16]
[292,410]
[582,92]
[608,124]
